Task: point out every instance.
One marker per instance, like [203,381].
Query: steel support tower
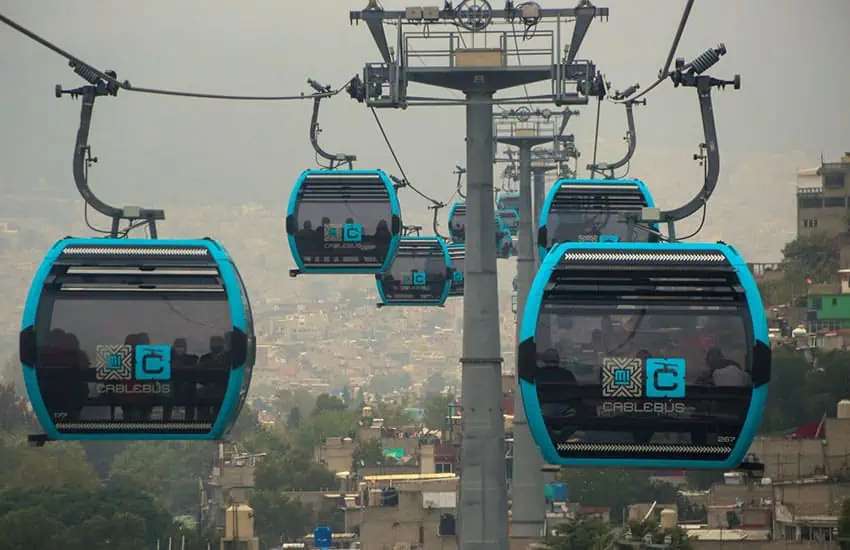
[528,510]
[478,71]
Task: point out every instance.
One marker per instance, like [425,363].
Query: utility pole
[478,65]
[528,512]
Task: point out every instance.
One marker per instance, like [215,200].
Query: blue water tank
[558,492]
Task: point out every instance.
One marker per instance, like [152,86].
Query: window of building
[833,180]
[810,224]
[817,302]
[834,202]
[443,468]
[810,202]
[835,301]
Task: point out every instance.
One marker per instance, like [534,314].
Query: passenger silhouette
[185,390]
[217,354]
[643,436]
[179,355]
[53,354]
[725,371]
[382,230]
[552,379]
[306,230]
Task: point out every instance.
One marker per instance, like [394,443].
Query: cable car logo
[113,362]
[415,278]
[457,276]
[116,362]
[153,362]
[345,233]
[665,378]
[623,377]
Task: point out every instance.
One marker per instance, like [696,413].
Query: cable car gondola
[343,221]
[644,355]
[510,217]
[457,254]
[457,222]
[593,211]
[457,231]
[137,339]
[504,242]
[507,200]
[420,275]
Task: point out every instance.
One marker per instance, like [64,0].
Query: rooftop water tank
[239,522]
[669,518]
[844,408]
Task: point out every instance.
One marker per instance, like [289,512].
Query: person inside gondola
[306,230]
[210,395]
[186,386]
[553,379]
[130,408]
[459,232]
[724,371]
[382,231]
[217,356]
[643,436]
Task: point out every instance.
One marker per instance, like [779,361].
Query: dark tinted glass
[457,225]
[589,226]
[635,376]
[457,276]
[323,239]
[403,282]
[508,201]
[511,221]
[134,357]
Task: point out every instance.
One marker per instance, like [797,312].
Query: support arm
[631,136]
[334,159]
[690,76]
[99,87]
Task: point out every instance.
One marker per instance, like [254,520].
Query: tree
[33,528]
[293,471]
[678,537]
[581,534]
[293,421]
[437,411]
[325,424]
[53,466]
[369,454]
[844,525]
[77,518]
[14,416]
[389,382]
[330,403]
[170,470]
[616,488]
[815,256]
[278,518]
[394,415]
[434,385]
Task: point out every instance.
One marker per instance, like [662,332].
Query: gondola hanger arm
[691,75]
[631,134]
[335,159]
[99,87]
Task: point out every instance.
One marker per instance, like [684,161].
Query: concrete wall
[410,521]
[813,499]
[787,459]
[762,545]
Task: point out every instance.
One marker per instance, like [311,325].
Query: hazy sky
[159,150]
